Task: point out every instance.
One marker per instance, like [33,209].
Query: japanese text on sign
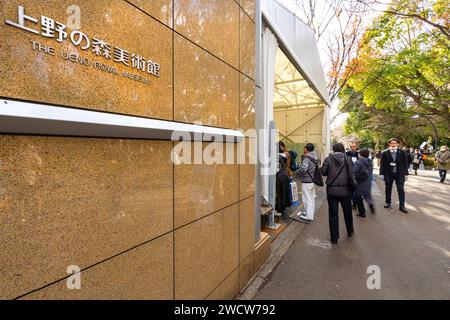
[50,28]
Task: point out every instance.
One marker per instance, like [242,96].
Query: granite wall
[138,226]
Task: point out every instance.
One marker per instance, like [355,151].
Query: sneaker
[304,215]
[305,220]
[387,205]
[403,209]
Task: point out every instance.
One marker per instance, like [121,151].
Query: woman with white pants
[307,171]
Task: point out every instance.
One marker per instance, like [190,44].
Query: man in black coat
[354,155]
[394,167]
[337,168]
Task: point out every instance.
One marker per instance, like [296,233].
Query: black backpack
[294,155]
[317,179]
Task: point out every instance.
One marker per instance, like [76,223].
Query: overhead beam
[290,81]
[298,106]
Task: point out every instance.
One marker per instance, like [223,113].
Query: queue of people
[285,193]
[349,177]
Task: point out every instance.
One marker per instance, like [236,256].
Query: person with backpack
[443,162]
[307,171]
[363,173]
[340,183]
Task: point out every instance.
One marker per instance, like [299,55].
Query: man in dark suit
[394,167]
[354,155]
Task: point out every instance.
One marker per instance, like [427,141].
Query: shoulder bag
[317,179]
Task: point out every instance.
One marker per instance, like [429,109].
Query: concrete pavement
[412,251]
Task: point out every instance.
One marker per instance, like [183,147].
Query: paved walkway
[412,251]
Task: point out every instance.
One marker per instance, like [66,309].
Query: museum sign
[109,56]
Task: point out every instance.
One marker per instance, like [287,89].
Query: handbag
[318,179]
[439,159]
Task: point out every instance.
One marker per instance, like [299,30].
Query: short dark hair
[364,153]
[393,139]
[309,147]
[338,147]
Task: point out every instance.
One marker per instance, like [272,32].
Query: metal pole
[273,152]
[258,114]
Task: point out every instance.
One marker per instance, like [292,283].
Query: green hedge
[428,163]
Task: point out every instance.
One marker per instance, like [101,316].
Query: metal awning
[298,109]
[301,99]
[298,43]
[291,88]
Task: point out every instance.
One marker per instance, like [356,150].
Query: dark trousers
[400,183]
[360,203]
[283,191]
[354,200]
[443,174]
[333,213]
[416,167]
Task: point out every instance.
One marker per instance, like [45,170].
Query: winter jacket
[330,169]
[363,165]
[444,156]
[307,168]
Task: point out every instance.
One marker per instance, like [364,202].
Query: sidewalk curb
[260,278]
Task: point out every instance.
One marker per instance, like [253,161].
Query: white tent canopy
[298,110]
[301,100]
[289,71]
